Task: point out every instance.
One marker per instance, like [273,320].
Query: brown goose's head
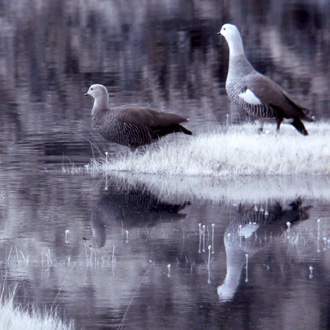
[97,91]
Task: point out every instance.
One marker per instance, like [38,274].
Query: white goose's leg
[261,127]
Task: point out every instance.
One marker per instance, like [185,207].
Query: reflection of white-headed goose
[253,92]
[252,231]
[131,126]
[130,206]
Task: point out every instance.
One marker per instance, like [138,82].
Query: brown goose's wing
[273,95]
[150,118]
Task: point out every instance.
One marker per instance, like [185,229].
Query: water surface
[120,253]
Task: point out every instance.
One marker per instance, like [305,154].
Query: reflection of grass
[233,189]
[17,317]
[90,257]
[237,151]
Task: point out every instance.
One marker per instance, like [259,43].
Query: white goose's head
[229,31]
[233,37]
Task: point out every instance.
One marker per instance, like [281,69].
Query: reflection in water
[130,206]
[230,188]
[43,220]
[254,229]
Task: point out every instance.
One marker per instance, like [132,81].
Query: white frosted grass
[239,151]
[16,317]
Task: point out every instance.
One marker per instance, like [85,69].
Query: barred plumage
[117,131]
[131,126]
[234,88]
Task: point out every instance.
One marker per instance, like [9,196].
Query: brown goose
[256,94]
[131,126]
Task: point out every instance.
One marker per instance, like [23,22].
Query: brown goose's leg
[278,123]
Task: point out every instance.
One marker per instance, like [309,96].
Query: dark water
[131,253]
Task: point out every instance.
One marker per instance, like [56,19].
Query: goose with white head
[254,93]
[131,126]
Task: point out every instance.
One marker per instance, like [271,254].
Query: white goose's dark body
[258,111]
[237,81]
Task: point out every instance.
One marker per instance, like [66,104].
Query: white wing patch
[248,230]
[249,97]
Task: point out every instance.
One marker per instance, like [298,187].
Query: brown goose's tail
[184,130]
[176,128]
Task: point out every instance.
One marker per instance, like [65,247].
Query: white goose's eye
[92,88]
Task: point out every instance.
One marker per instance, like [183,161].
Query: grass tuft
[16,317]
[238,151]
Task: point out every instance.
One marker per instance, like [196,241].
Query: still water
[127,253]
[146,252]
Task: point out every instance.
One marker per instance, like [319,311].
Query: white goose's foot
[261,127]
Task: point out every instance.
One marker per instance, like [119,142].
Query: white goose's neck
[235,44]
[238,63]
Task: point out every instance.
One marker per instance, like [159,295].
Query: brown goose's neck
[100,104]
